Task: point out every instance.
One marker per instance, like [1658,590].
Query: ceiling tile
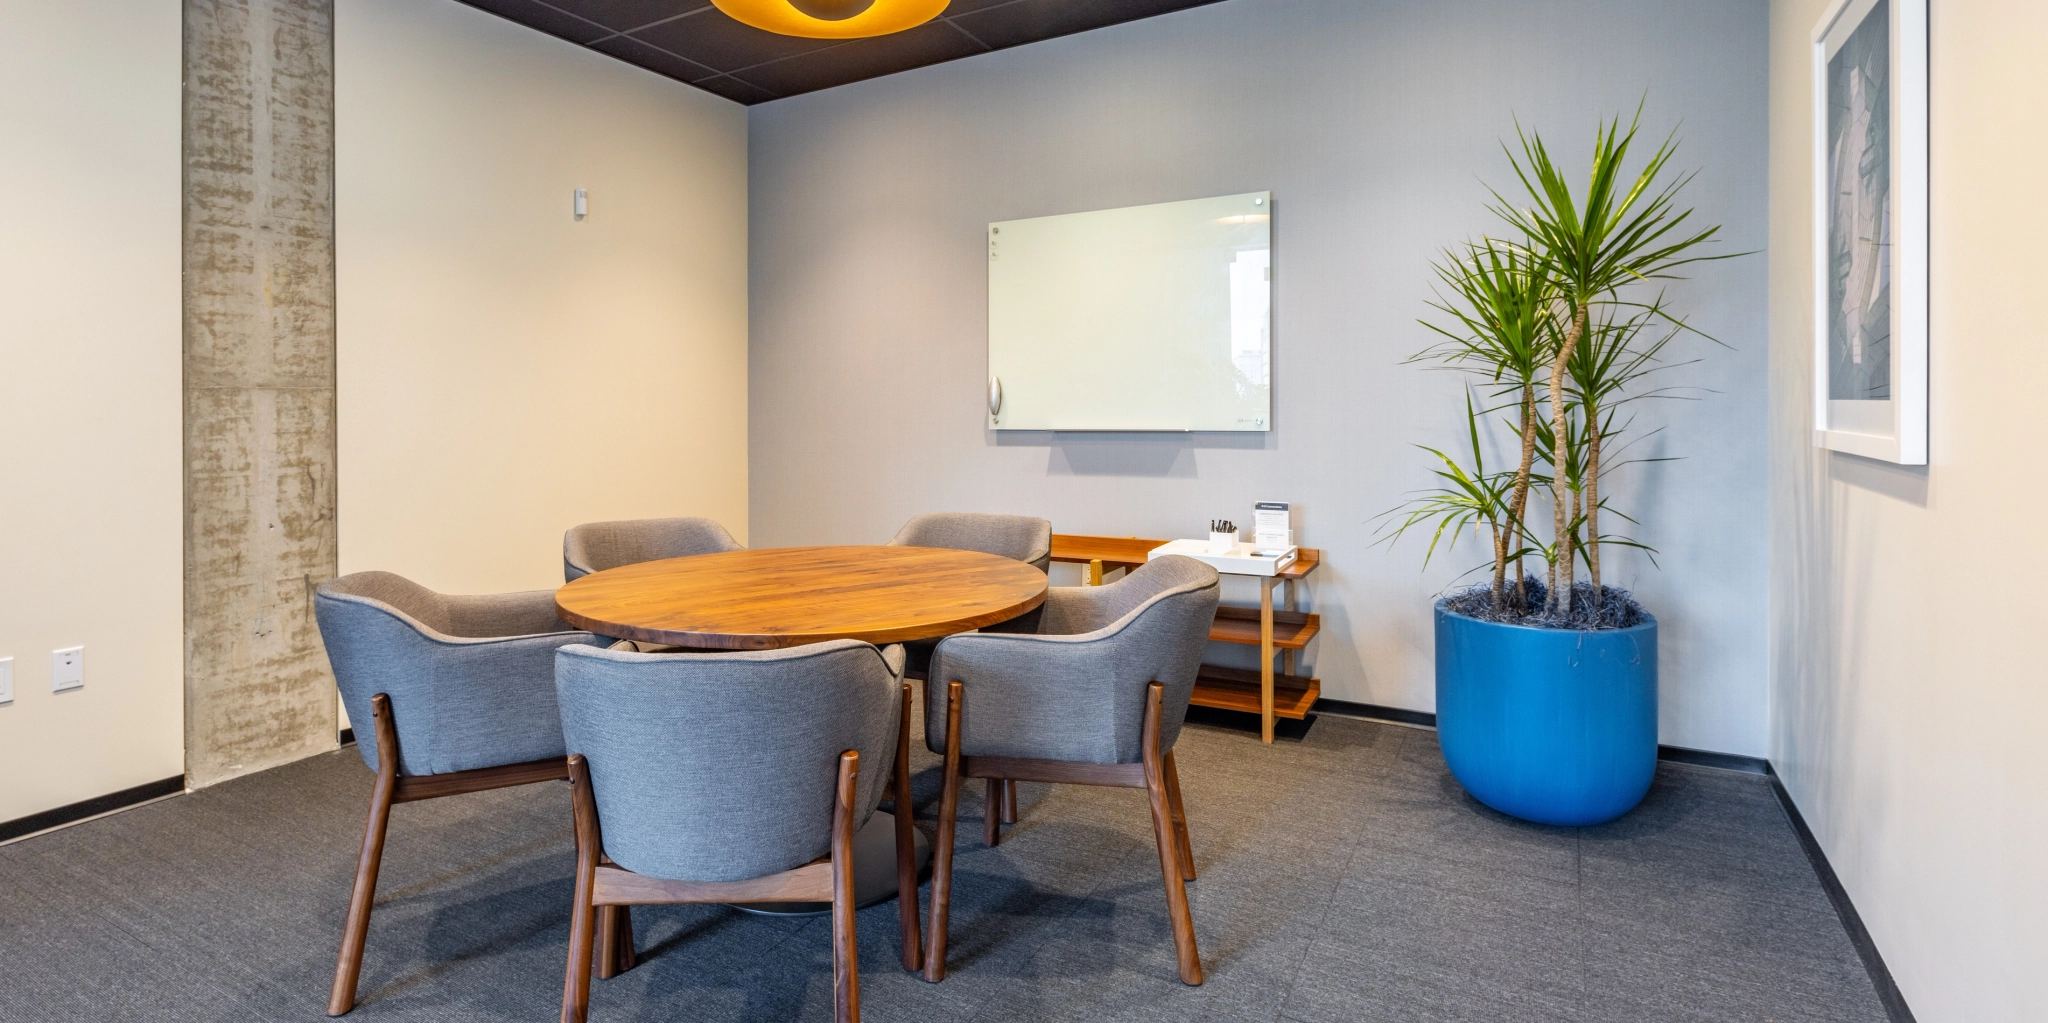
[964,6]
[1028,21]
[694,42]
[540,16]
[929,43]
[734,89]
[662,62]
[629,14]
[712,39]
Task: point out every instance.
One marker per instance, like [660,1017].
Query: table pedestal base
[874,870]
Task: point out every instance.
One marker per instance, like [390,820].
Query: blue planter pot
[1549,725]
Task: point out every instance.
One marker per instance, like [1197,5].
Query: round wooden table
[789,596]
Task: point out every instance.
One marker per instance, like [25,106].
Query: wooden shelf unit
[1238,689]
[1291,629]
[1264,691]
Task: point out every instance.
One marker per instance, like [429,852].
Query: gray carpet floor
[1344,876]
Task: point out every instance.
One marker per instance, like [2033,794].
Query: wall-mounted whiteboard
[1146,318]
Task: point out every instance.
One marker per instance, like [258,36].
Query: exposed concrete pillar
[259,381]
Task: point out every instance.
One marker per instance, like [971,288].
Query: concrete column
[259,381]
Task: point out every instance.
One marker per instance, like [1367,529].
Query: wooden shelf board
[1291,629]
[1238,689]
[1110,550]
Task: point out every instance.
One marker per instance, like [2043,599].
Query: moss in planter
[1617,608]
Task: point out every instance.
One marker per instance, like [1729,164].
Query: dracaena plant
[1551,319]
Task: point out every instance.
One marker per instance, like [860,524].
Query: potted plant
[1546,684]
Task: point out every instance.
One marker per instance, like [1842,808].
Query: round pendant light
[832,19]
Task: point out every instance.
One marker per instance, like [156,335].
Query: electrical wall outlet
[67,669]
[6,680]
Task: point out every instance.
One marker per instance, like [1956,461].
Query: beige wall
[89,396]
[505,371]
[1908,694]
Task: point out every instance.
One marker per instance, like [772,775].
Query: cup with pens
[1222,536]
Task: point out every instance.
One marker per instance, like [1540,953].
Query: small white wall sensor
[582,204]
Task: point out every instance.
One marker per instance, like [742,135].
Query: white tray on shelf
[1237,560]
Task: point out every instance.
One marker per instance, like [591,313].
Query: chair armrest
[494,615]
[1045,697]
[1074,610]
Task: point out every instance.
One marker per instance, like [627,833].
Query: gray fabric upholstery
[596,546]
[1076,690]
[1018,537]
[471,678]
[723,766]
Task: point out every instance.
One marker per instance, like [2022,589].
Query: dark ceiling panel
[625,15]
[659,61]
[734,89]
[534,14]
[691,41]
[714,39]
[1028,21]
[929,43]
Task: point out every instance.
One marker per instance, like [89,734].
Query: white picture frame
[1870,229]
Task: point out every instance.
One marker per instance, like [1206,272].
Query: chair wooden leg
[629,956]
[906,845]
[942,852]
[1009,800]
[348,965]
[615,954]
[1182,845]
[1169,845]
[582,914]
[845,944]
[992,813]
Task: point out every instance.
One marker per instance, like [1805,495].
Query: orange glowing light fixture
[832,19]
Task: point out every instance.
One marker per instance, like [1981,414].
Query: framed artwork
[1870,229]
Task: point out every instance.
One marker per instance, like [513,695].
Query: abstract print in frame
[1870,229]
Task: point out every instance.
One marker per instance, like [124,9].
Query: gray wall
[1375,124]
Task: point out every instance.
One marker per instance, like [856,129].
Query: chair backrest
[1077,689]
[596,546]
[724,766]
[1018,537]
[470,678]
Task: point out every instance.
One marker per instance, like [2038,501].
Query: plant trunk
[1517,503]
[1561,577]
[1500,567]
[1593,503]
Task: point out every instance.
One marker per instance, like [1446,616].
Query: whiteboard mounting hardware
[582,206]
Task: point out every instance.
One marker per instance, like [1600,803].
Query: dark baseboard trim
[1888,993]
[348,735]
[1424,719]
[1375,712]
[1709,758]
[79,811]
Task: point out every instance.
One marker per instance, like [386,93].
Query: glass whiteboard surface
[1146,318]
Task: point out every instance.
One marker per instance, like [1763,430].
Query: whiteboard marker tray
[1238,560]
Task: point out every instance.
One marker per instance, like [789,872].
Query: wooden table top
[789,596]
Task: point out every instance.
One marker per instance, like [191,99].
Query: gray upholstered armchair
[1095,697]
[596,546]
[730,777]
[1017,537]
[448,694]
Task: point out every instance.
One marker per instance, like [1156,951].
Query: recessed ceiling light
[832,19]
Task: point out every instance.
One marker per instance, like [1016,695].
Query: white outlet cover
[6,680]
[67,669]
